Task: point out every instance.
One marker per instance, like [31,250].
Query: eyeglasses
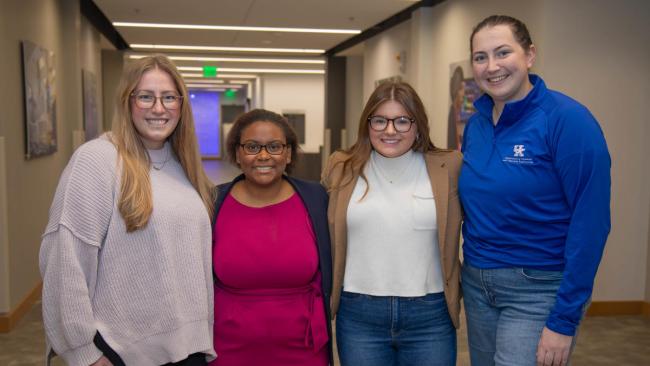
[148,100]
[400,124]
[273,148]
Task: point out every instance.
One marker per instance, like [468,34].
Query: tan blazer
[443,168]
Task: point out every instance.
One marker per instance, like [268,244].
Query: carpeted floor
[603,341]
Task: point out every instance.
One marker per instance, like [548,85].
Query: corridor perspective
[316,63]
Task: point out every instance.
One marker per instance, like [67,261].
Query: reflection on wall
[205,108]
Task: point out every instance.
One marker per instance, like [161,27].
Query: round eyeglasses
[253,148]
[400,124]
[148,100]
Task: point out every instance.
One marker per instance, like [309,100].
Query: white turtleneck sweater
[149,293]
[392,232]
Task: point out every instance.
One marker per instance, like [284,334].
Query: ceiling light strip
[205,81]
[231,49]
[237,59]
[212,89]
[271,71]
[234,86]
[236,28]
[201,76]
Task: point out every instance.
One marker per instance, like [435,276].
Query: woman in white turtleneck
[394,220]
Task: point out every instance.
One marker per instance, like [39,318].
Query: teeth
[156,121]
[497,79]
[390,141]
[264,168]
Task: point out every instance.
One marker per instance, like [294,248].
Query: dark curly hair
[261,115]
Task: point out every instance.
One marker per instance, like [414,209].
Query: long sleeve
[583,165]
[69,270]
[79,218]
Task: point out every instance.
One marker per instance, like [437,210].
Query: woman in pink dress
[271,253]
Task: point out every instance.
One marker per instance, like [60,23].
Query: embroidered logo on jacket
[519,150]
[518,156]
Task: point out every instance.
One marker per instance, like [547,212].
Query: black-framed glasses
[254,148]
[400,124]
[146,100]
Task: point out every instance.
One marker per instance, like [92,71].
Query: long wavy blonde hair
[358,154]
[135,202]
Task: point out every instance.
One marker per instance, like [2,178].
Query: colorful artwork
[40,100]
[463,92]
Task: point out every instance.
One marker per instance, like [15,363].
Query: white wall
[647,271]
[604,64]
[354,101]
[91,60]
[286,93]
[4,237]
[380,57]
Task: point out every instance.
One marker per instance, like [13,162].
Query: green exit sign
[209,71]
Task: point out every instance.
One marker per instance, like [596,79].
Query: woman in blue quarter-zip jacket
[535,188]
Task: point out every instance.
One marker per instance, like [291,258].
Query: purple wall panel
[205,108]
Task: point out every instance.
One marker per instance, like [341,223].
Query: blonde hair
[135,202]
[358,154]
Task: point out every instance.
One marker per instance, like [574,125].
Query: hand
[103,361]
[553,348]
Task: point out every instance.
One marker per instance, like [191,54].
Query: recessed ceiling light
[236,28]
[238,59]
[225,49]
[223,76]
[272,71]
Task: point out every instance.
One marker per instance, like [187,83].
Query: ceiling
[328,14]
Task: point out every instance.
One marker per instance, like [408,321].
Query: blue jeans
[395,331]
[506,310]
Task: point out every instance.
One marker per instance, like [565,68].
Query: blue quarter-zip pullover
[535,189]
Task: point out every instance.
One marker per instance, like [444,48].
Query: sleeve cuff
[561,327]
[82,356]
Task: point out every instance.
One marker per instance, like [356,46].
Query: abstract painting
[40,100]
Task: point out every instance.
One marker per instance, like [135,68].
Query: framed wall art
[40,100]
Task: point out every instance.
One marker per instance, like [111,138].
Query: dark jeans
[196,359]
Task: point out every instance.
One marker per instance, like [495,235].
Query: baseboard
[613,308]
[9,320]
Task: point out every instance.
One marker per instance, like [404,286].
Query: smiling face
[263,169]
[389,142]
[501,64]
[155,124]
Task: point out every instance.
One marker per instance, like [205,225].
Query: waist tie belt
[316,335]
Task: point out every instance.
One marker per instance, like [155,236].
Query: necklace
[393,177]
[162,163]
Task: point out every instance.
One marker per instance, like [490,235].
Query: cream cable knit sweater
[150,292]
